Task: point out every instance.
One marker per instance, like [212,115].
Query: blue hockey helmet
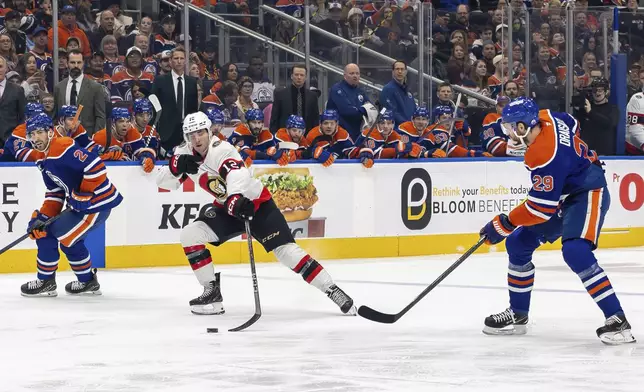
[119,113]
[39,121]
[216,116]
[441,110]
[142,105]
[329,115]
[67,111]
[521,110]
[254,114]
[421,111]
[387,115]
[33,108]
[295,122]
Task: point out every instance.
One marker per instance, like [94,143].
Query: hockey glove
[36,227]
[183,164]
[80,201]
[435,153]
[475,153]
[240,207]
[325,157]
[148,164]
[366,157]
[246,156]
[281,157]
[415,151]
[497,229]
[112,156]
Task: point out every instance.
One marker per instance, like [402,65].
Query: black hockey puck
[212,330]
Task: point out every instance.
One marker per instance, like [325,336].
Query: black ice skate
[506,323]
[342,300]
[210,302]
[616,331]
[39,288]
[84,288]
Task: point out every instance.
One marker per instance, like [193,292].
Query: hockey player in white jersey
[635,125]
[219,170]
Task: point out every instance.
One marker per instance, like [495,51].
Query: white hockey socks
[295,258]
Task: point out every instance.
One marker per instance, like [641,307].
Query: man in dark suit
[295,99]
[177,94]
[12,104]
[78,90]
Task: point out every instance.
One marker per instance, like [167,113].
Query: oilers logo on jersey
[58,181]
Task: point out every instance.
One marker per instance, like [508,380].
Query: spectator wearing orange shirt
[67,27]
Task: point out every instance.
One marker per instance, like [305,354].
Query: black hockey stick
[25,236]
[386,318]
[258,308]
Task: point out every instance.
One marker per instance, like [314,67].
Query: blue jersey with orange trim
[339,143]
[250,145]
[80,136]
[132,144]
[66,168]
[292,7]
[113,66]
[493,139]
[17,148]
[302,151]
[560,164]
[150,139]
[382,148]
[122,83]
[161,43]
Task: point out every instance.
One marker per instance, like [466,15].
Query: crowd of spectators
[469,44]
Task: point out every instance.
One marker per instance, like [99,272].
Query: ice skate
[506,323]
[39,288]
[342,300]
[210,302]
[615,331]
[84,288]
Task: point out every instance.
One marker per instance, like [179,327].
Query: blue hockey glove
[36,226]
[80,201]
[497,229]
[366,157]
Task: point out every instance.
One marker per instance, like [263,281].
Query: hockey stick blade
[258,307]
[386,318]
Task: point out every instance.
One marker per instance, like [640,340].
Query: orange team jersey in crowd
[250,146]
[339,143]
[202,3]
[493,139]
[65,34]
[282,135]
[104,80]
[212,101]
[132,144]
[381,148]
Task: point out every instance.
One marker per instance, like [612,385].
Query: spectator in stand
[28,21]
[228,72]
[458,66]
[35,82]
[556,23]
[295,100]
[496,81]
[489,52]
[43,14]
[264,88]
[145,28]
[318,11]
[78,90]
[437,67]
[445,95]
[589,64]
[462,22]
[63,69]
[177,93]
[511,90]
[477,45]
[122,22]
[166,39]
[67,27]
[105,27]
[193,70]
[94,71]
[142,42]
[8,52]
[477,82]
[502,42]
[224,101]
[49,104]
[43,58]
[634,83]
[323,46]
[122,81]
[598,120]
[164,63]
[451,5]
[84,16]
[350,101]
[590,45]
[113,62]
[245,101]
[12,28]
[12,104]
[139,90]
[396,97]
[544,82]
[208,67]
[72,44]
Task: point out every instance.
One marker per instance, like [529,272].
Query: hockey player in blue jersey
[568,199]
[17,148]
[69,126]
[78,176]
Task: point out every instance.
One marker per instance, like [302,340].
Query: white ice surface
[140,335]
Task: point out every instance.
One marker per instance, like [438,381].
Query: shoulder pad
[544,149]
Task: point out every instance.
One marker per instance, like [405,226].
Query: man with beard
[511,89]
[292,138]
[329,141]
[94,71]
[254,141]
[27,21]
[462,22]
[77,90]
[12,28]
[123,81]
[164,63]
[598,120]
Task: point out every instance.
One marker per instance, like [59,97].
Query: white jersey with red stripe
[635,125]
[222,173]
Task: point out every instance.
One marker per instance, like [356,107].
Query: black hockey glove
[184,164]
[240,207]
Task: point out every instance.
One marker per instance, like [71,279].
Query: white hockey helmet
[195,122]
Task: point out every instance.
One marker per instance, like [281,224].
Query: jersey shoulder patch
[544,148]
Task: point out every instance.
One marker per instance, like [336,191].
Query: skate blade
[85,293]
[43,295]
[208,310]
[618,338]
[509,330]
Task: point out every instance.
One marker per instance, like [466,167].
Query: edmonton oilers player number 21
[568,199]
